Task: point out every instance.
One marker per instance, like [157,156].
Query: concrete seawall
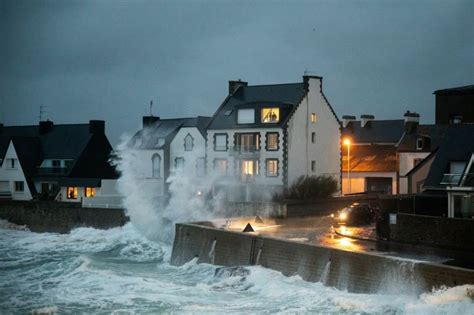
[345,270]
[59,217]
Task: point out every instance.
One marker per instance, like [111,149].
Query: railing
[245,150]
[52,170]
[451,179]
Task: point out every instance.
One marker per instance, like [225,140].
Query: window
[56,163]
[89,192]
[72,193]
[270,115]
[419,144]
[247,142]
[179,163]
[313,117]
[201,167]
[20,186]
[220,166]
[272,167]
[220,142]
[156,166]
[313,137]
[249,169]
[188,143]
[313,166]
[246,116]
[272,141]
[11,163]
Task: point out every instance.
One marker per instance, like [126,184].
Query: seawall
[59,217]
[345,270]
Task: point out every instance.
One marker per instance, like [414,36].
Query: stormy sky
[107,59]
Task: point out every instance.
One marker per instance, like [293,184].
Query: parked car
[356,214]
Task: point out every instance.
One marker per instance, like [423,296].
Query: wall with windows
[313,137]
[12,178]
[188,152]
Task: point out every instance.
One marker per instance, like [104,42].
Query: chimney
[149,121]
[346,119]
[365,119]
[234,85]
[97,127]
[45,127]
[411,121]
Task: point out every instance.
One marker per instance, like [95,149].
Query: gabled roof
[370,158]
[285,96]
[468,89]
[166,129]
[458,145]
[375,131]
[30,155]
[432,134]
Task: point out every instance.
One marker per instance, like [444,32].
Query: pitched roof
[30,155]
[468,89]
[375,131]
[370,158]
[458,145]
[285,96]
[147,138]
[432,134]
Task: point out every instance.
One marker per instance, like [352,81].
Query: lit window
[313,117]
[272,167]
[156,166]
[188,142]
[220,166]
[220,142]
[72,193]
[89,192]
[313,166]
[20,186]
[313,137]
[249,168]
[200,167]
[272,141]
[270,115]
[179,163]
[246,116]
[419,143]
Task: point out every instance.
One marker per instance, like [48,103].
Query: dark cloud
[107,59]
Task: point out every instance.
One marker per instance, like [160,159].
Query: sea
[119,271]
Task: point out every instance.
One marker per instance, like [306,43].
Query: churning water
[119,271]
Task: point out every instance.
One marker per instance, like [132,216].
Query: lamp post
[348,143]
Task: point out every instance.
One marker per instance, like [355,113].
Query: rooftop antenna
[151,107]
[42,112]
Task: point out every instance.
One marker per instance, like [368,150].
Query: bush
[309,188]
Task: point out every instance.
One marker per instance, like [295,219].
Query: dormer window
[246,116]
[270,115]
[160,142]
[188,143]
[419,144]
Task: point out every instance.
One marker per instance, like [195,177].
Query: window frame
[277,167]
[21,184]
[262,116]
[418,141]
[74,190]
[203,167]
[313,137]
[192,142]
[313,166]
[158,156]
[313,118]
[277,141]
[89,192]
[241,110]
[178,158]
[226,142]
[226,165]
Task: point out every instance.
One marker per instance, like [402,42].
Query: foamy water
[119,270]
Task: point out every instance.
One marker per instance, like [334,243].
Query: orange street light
[347,142]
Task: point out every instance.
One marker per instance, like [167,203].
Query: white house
[263,137]
[164,147]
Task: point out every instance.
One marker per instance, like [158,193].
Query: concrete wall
[59,217]
[352,271]
[245,209]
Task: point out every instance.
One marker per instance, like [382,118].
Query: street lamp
[347,142]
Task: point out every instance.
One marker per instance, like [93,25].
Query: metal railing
[245,150]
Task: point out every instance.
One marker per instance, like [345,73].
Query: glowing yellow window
[72,193]
[270,115]
[90,192]
[313,117]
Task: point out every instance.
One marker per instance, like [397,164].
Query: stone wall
[352,271]
[59,217]
[449,233]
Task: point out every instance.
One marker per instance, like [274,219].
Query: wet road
[321,231]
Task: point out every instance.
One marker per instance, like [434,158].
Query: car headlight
[343,216]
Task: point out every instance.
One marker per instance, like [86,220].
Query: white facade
[149,167]
[323,157]
[407,161]
[190,146]
[12,178]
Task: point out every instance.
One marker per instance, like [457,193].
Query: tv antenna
[42,112]
[151,108]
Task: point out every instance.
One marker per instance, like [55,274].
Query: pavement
[325,231]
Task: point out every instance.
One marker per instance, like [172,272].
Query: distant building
[455,105]
[164,147]
[452,170]
[263,137]
[67,162]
